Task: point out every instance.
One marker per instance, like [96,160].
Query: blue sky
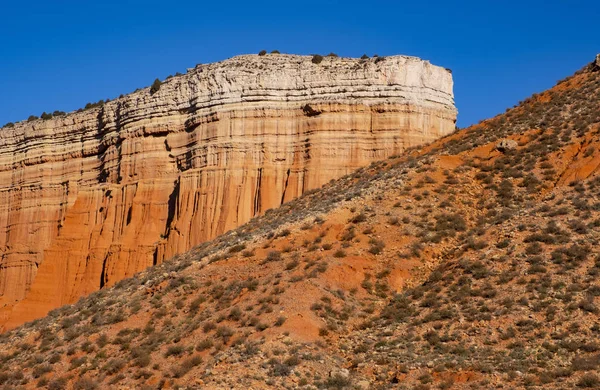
[60,55]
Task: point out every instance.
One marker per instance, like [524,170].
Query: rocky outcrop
[506,144]
[93,197]
[596,64]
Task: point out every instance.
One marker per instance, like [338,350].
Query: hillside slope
[469,263]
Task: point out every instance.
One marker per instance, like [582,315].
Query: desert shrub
[85,384]
[283,233]
[186,366]
[273,256]
[339,253]
[102,340]
[235,314]
[57,384]
[155,86]
[237,248]
[204,345]
[141,356]
[280,369]
[348,234]
[262,53]
[54,358]
[361,217]
[40,370]
[317,59]
[174,350]
[225,333]
[113,366]
[280,321]
[78,361]
[338,381]
[589,380]
[399,309]
[586,363]
[376,246]
[450,223]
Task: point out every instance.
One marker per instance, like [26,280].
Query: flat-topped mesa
[93,197]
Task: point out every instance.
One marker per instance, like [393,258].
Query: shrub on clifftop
[155,86]
[317,59]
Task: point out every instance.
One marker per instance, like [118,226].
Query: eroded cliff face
[93,197]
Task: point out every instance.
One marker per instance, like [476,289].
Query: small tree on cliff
[155,86]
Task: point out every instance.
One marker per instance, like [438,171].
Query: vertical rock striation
[95,196]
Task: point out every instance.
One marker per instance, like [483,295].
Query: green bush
[9,124]
[155,86]
[99,103]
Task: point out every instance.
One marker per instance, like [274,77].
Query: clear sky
[59,55]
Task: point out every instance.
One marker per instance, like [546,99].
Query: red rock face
[94,197]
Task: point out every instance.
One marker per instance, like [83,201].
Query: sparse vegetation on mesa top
[264,52]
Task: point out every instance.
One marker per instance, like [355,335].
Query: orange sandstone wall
[93,197]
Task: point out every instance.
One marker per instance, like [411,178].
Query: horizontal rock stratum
[92,197]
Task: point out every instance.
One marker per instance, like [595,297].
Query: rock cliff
[95,196]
